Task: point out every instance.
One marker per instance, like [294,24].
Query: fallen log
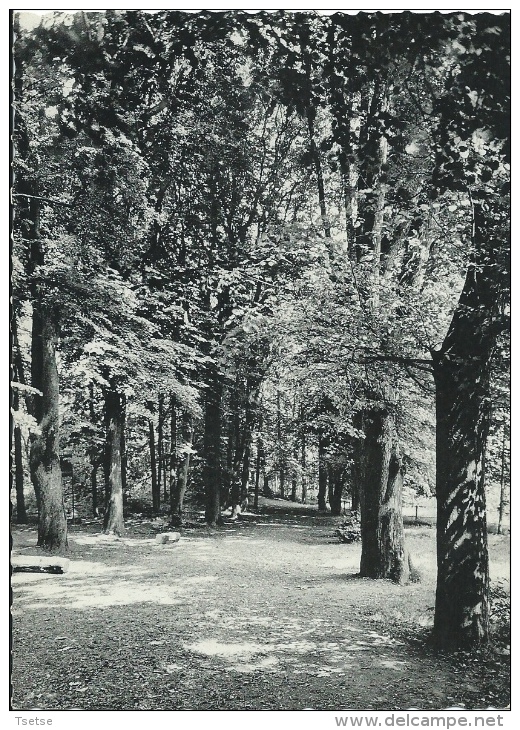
[39,564]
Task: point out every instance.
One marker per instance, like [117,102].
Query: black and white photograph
[260,365]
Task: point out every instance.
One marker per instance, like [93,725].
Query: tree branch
[45,200]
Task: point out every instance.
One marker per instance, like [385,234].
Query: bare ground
[265,614]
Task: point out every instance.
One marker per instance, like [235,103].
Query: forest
[260,262]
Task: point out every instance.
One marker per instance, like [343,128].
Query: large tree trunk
[212,458]
[178,488]
[114,423]
[45,455]
[322,473]
[461,371]
[461,607]
[383,553]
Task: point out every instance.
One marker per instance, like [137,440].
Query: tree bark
[244,482]
[228,470]
[45,453]
[124,456]
[461,607]
[178,487]
[258,467]
[335,489]
[173,449]
[383,553]
[160,447]
[357,445]
[156,487]
[502,502]
[94,487]
[304,468]
[95,460]
[212,459]
[281,445]
[315,154]
[462,375]
[354,505]
[322,473]
[251,408]
[236,452]
[17,366]
[294,485]
[21,512]
[379,214]
[310,113]
[114,424]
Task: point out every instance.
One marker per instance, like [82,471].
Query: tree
[179,486]
[474,128]
[368,133]
[293,221]
[115,423]
[383,552]
[35,145]
[19,378]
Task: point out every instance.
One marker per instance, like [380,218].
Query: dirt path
[261,615]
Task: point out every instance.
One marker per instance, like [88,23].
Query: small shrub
[350,530]
[500,614]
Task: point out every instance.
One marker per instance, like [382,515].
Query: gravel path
[267,613]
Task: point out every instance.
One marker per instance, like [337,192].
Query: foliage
[274,209]
[500,614]
[350,530]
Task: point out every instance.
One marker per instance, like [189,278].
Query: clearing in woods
[265,614]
